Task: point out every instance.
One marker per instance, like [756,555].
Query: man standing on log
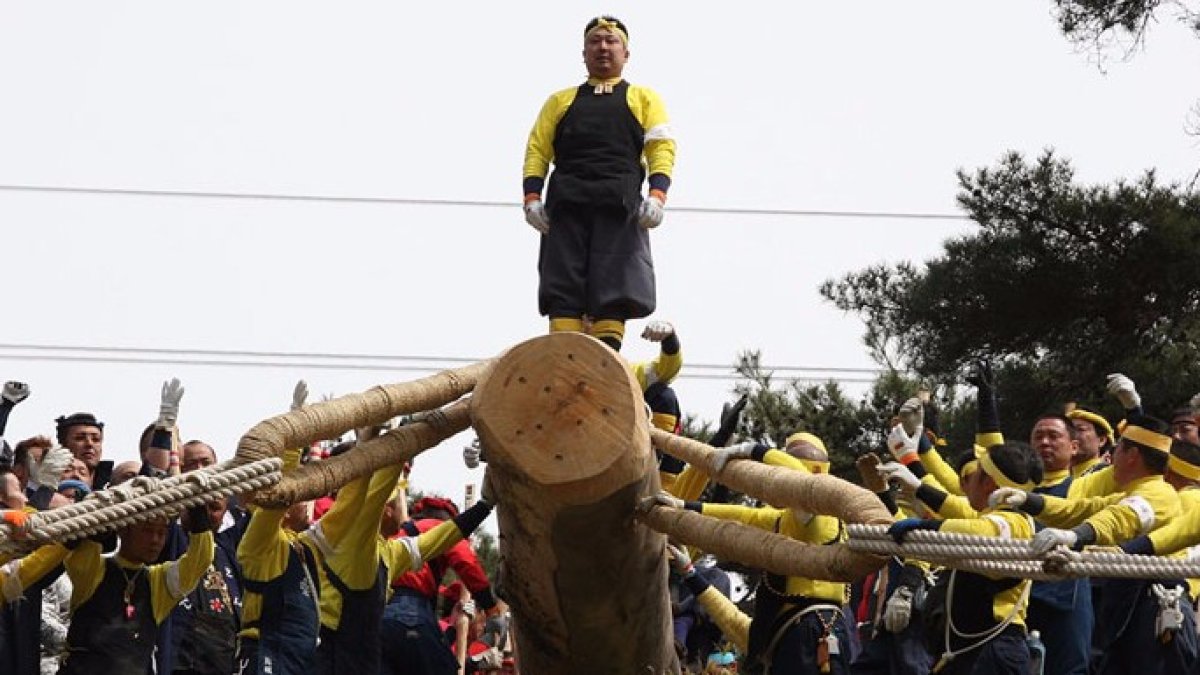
[603,137]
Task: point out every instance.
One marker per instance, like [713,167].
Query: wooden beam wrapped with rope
[815,493]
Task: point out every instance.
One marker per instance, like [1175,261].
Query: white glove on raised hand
[898,610]
[168,410]
[1013,498]
[657,331]
[299,395]
[912,416]
[895,471]
[1124,389]
[48,472]
[650,214]
[472,453]
[535,215]
[1049,538]
[14,392]
[903,444]
[721,456]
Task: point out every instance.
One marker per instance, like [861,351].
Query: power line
[472,203]
[349,362]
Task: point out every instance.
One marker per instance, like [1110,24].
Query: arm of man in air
[734,623]
[171,581]
[263,549]
[764,518]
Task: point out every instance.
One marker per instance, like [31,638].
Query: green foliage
[1062,284]
[848,427]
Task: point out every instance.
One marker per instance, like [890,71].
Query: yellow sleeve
[85,569]
[263,550]
[431,544]
[941,472]
[539,149]
[1070,512]
[659,147]
[350,559]
[1139,512]
[689,484]
[956,507]
[1095,484]
[1003,524]
[333,527]
[17,575]
[1179,534]
[731,620]
[764,518]
[171,581]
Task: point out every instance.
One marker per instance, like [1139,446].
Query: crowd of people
[354,582]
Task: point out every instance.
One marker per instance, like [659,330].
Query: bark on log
[563,426]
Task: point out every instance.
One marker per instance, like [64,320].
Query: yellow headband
[989,467]
[805,437]
[1180,466]
[1150,439]
[664,421]
[603,23]
[1081,414]
[968,469]
[816,466]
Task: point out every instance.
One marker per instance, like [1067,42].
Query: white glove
[299,395]
[471,454]
[721,456]
[903,444]
[467,607]
[898,610]
[491,659]
[657,331]
[898,472]
[912,416]
[48,472]
[1195,402]
[650,214]
[1123,388]
[1049,538]
[1013,498]
[14,392]
[535,215]
[168,410]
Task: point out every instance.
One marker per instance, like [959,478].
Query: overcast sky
[865,106]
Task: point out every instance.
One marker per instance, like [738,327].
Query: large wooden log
[564,429]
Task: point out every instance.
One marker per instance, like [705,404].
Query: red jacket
[460,557]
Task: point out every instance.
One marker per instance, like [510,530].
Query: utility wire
[344,362]
[474,203]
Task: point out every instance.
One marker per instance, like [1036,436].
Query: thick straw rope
[1014,558]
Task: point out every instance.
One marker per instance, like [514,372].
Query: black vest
[104,637]
[598,150]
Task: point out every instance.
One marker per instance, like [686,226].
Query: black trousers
[596,261]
